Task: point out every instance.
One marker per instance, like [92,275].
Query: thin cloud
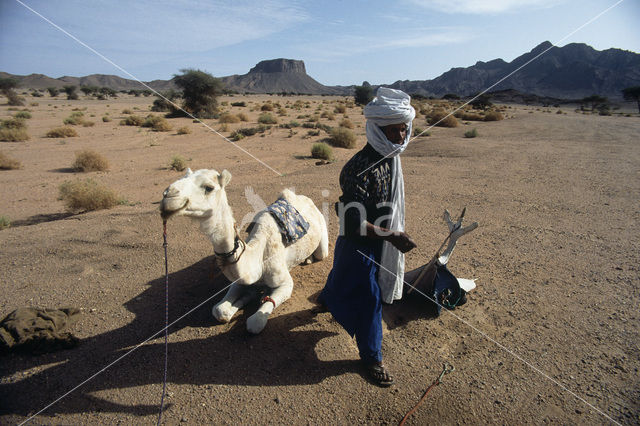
[479,7]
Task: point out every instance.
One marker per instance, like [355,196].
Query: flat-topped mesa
[279,65]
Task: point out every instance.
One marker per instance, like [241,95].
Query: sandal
[379,375]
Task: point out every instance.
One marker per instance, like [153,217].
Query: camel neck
[219,227]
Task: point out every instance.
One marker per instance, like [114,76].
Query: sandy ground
[549,336]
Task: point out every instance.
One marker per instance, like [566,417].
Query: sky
[342,42]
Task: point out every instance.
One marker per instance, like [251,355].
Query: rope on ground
[446,369]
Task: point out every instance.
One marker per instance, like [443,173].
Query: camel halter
[237,242]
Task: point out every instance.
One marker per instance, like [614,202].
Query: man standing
[368,264]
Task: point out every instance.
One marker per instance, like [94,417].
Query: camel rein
[166,317]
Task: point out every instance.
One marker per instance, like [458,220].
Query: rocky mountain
[570,72]
[278,76]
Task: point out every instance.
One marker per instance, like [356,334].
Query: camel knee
[224,311]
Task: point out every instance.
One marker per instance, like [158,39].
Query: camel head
[196,194]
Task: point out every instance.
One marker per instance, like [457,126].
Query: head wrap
[390,106]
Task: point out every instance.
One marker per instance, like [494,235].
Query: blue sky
[341,42]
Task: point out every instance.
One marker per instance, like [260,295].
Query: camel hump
[288,195]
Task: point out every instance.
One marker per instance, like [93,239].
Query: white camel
[201,195]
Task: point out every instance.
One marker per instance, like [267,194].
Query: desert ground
[550,335]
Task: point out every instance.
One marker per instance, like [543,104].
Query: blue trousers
[352,295]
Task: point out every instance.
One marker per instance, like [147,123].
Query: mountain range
[570,72]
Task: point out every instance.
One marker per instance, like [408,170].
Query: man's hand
[402,241]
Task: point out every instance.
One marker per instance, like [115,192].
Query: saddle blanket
[292,225]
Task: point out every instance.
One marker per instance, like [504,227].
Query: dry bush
[468,116]
[493,116]
[184,130]
[328,115]
[322,151]
[22,115]
[159,124]
[340,109]
[75,118]
[471,133]
[106,119]
[239,104]
[13,134]
[13,123]
[346,123]
[5,222]
[442,118]
[8,163]
[343,138]
[87,195]
[282,112]
[88,123]
[224,128]
[127,111]
[90,161]
[243,117]
[228,118]
[132,120]
[267,118]
[62,132]
[178,162]
[266,107]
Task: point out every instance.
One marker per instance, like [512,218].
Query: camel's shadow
[231,356]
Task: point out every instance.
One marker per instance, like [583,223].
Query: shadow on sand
[233,357]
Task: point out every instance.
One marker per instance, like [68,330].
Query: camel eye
[208,189]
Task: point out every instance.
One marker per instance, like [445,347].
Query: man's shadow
[280,355]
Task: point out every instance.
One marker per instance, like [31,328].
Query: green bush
[90,161]
[87,195]
[200,91]
[267,118]
[343,138]
[322,150]
[471,133]
[106,119]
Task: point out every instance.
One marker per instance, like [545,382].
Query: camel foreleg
[257,321]
[236,297]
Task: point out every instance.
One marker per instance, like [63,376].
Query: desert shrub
[5,222]
[418,132]
[22,115]
[87,123]
[346,123]
[493,116]
[13,123]
[224,127]
[165,102]
[75,118]
[71,92]
[87,195]
[106,119]
[178,162]
[343,138]
[468,116]
[184,130]
[127,111]
[322,151]
[243,117]
[340,109]
[266,107]
[53,91]
[267,118]
[228,118]
[441,118]
[132,120]
[200,91]
[62,132]
[471,133]
[239,104]
[313,133]
[328,115]
[559,111]
[90,161]
[159,124]
[363,94]
[9,134]
[248,131]
[8,163]
[481,102]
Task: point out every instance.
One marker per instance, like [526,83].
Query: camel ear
[224,178]
[189,172]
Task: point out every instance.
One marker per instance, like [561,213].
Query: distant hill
[278,76]
[570,72]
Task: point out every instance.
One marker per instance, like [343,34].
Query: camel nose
[170,192]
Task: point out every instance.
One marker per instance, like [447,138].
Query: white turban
[390,106]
